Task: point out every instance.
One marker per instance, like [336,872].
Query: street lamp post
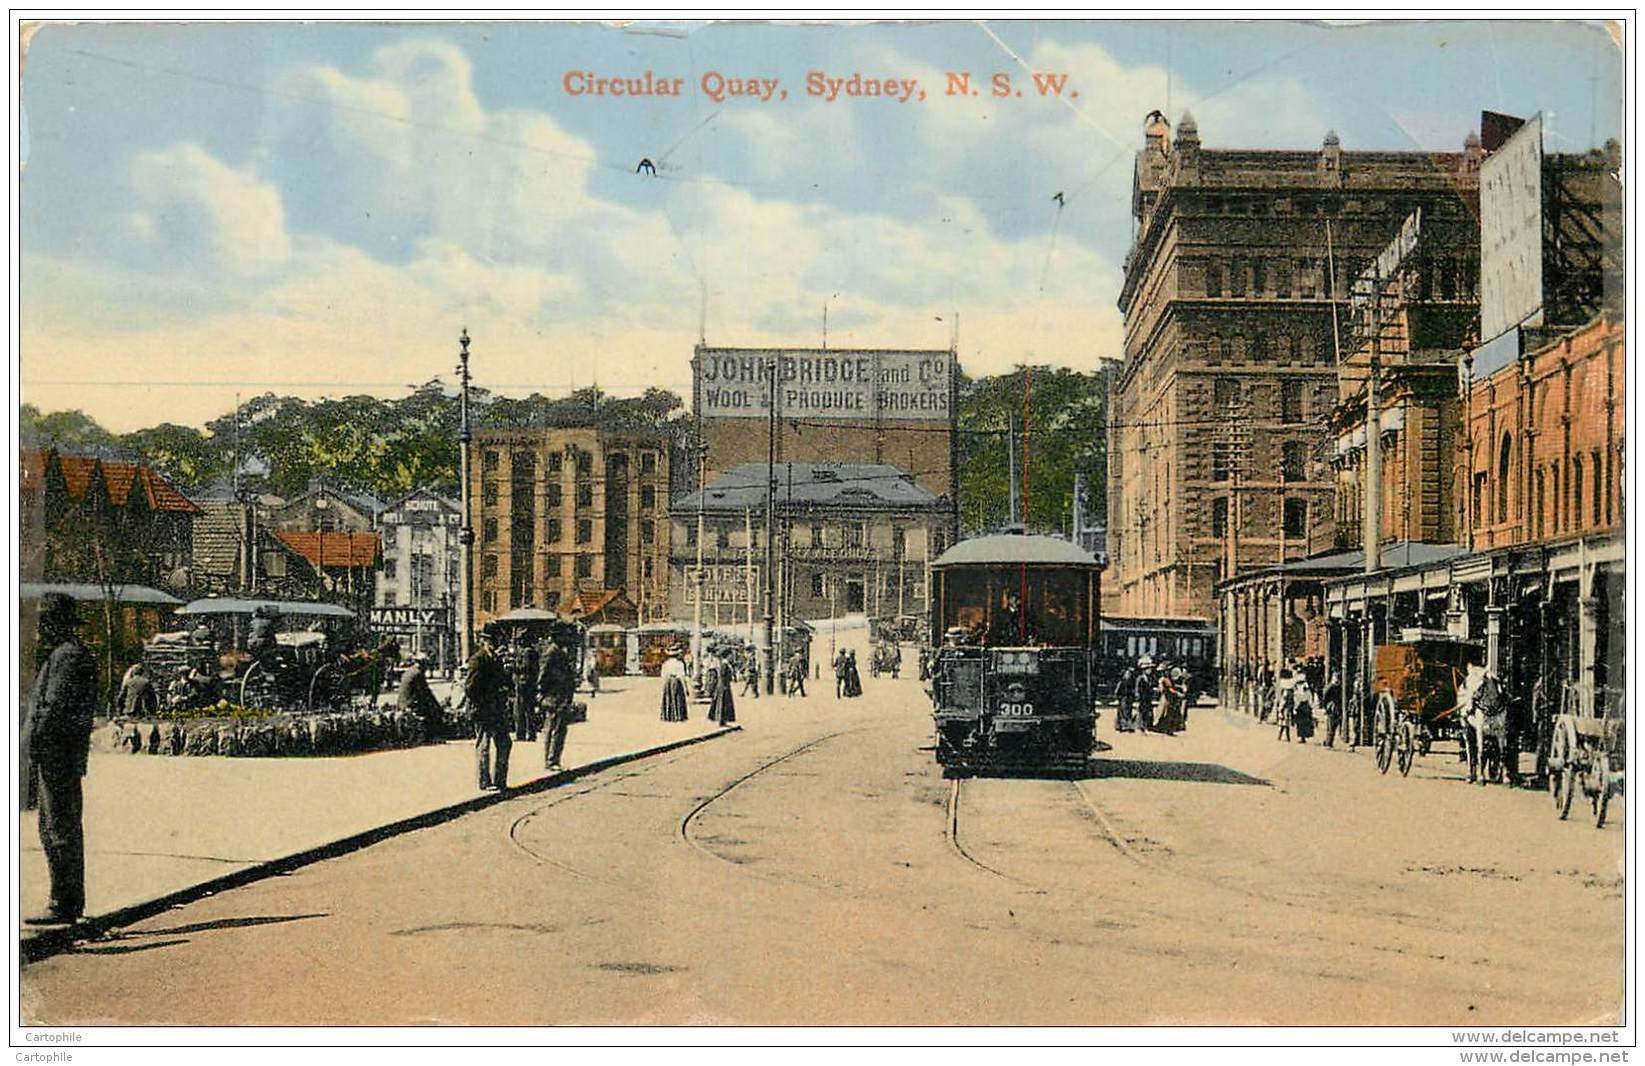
[465,437]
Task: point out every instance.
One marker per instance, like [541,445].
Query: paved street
[818,868]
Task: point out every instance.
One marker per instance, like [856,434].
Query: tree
[1067,427]
[66,429]
[183,454]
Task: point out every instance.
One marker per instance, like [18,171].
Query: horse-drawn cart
[1588,750]
[1417,702]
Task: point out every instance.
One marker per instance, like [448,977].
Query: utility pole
[1373,441]
[1011,456]
[465,437]
[697,577]
[769,650]
[748,569]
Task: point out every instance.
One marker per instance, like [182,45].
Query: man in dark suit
[55,743]
[556,687]
[486,690]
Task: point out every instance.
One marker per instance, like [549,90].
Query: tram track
[951,834]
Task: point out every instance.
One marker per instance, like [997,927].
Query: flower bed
[250,732]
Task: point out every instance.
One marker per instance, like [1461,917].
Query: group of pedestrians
[847,681]
[1154,698]
[514,695]
[719,676]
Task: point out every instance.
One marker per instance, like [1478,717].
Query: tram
[1014,625]
[1187,642]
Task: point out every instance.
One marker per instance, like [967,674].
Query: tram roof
[1016,548]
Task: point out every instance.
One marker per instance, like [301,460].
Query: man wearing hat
[56,739]
[556,686]
[1144,688]
[486,689]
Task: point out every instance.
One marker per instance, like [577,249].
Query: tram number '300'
[1016,710]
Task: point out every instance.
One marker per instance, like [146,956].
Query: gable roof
[78,472]
[331,549]
[590,602]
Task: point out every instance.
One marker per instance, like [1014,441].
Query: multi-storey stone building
[563,511]
[1236,302]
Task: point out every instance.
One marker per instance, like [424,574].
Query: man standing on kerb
[56,740]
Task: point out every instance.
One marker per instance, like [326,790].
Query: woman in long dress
[853,680]
[674,699]
[722,706]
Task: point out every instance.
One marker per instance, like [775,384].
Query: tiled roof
[592,602]
[839,484]
[78,471]
[163,495]
[332,549]
[119,476]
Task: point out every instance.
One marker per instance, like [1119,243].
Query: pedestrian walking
[523,668]
[1169,719]
[751,679]
[414,697]
[557,688]
[722,706]
[674,698]
[1125,693]
[796,675]
[55,743]
[1284,695]
[486,686]
[591,674]
[1143,690]
[853,680]
[1331,703]
[1302,708]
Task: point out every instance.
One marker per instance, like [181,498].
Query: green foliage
[1067,433]
[384,447]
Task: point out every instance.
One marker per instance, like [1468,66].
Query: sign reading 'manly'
[849,384]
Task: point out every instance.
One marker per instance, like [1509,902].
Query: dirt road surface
[818,868]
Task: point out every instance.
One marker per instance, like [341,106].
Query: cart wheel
[1493,764]
[319,692]
[1407,748]
[1602,798]
[1562,769]
[1384,733]
[245,682]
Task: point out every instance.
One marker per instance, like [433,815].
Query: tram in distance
[1190,643]
[1014,621]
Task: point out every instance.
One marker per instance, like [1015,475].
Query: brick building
[1235,302]
[563,511]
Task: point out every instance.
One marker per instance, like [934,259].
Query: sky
[212,211]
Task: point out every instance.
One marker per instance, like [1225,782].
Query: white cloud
[190,199]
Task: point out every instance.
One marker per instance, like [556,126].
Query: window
[1213,279]
[1259,277]
[388,598]
[553,564]
[1291,466]
[1599,495]
[691,534]
[556,463]
[817,589]
[899,541]
[488,494]
[585,531]
[1236,278]
[648,498]
[552,531]
[853,534]
[492,459]
[585,464]
[1307,279]
[1219,517]
[1259,346]
[1576,491]
[1554,497]
[585,566]
[722,537]
[648,462]
[1225,393]
[648,531]
[1219,461]
[1447,278]
[585,495]
[551,600]
[1480,517]
[1213,349]
[1282,277]
[1296,517]
[490,567]
[488,530]
[1290,402]
[1541,503]
[490,600]
[816,535]
[553,496]
[390,566]
[1505,457]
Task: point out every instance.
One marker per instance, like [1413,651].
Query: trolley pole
[770,651]
[465,438]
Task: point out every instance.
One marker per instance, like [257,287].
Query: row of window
[1229,399]
[1562,496]
[554,498]
[1442,277]
[1260,207]
[526,461]
[849,535]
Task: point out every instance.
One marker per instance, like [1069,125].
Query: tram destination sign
[885,385]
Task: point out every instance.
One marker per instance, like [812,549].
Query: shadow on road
[1210,773]
[226,923]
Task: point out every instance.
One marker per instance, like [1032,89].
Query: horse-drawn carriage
[885,658]
[1588,751]
[235,649]
[1423,696]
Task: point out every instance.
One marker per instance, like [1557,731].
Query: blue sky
[319,209]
